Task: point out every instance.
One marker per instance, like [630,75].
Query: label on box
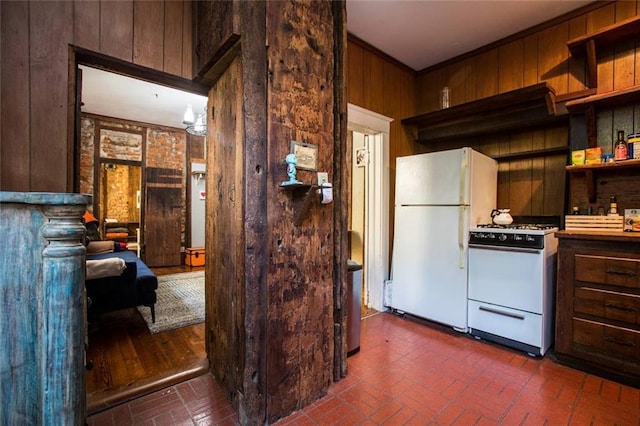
[632,220]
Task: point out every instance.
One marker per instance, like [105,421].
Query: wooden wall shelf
[518,109]
[302,195]
[592,171]
[608,99]
[607,36]
[588,45]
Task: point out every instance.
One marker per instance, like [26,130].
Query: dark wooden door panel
[163,212]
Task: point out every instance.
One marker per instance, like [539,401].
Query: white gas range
[511,285]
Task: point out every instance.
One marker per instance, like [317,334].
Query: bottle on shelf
[620,147]
[613,205]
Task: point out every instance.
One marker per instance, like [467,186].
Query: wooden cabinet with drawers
[598,303]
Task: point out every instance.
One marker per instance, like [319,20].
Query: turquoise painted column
[42,270]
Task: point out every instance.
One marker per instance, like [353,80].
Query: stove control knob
[502,237]
[530,238]
[517,238]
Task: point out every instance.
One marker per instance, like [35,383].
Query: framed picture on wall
[120,144]
[307,155]
[361,157]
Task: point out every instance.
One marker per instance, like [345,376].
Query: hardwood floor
[128,361]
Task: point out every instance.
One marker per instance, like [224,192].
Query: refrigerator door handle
[463,177]
[462,238]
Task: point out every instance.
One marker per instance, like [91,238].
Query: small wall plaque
[307,155]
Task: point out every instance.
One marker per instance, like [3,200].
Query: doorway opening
[370,152]
[127,360]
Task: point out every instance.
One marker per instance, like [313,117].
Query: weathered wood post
[42,270]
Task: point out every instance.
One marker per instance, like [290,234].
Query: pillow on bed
[111,267]
[95,247]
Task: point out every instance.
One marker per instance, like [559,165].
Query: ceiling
[418,33]
[421,33]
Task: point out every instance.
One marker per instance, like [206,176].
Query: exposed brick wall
[122,185]
[164,149]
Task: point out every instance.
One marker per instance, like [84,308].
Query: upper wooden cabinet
[217,32]
[518,109]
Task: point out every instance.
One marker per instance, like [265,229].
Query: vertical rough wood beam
[253,406]
[340,209]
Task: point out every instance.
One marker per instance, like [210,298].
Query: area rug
[180,302]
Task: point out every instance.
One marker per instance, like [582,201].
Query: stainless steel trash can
[354,306]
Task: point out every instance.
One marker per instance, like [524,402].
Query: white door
[437,178]
[429,263]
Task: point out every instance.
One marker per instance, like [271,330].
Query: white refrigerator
[439,196]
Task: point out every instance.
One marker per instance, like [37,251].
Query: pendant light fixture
[196,125]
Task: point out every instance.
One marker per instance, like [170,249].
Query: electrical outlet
[323,177]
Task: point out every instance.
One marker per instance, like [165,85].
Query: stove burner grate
[523,226]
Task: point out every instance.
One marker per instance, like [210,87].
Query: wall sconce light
[195,125]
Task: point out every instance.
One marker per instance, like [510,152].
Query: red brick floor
[411,374]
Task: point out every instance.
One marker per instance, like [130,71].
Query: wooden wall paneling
[511,66]
[456,82]
[487,74]
[537,174]
[429,86]
[520,174]
[355,70]
[15,146]
[173,32]
[626,9]
[577,66]
[86,24]
[624,74]
[116,29]
[50,32]
[375,81]
[504,173]
[553,56]
[470,83]
[596,20]
[187,40]
[555,174]
[148,34]
[530,74]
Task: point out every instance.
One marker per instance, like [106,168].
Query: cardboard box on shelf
[632,220]
[577,157]
[593,155]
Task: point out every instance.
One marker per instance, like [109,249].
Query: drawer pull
[620,307]
[505,314]
[617,342]
[621,272]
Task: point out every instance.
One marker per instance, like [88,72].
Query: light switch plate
[323,177]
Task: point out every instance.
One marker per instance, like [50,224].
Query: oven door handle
[503,313]
[503,248]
